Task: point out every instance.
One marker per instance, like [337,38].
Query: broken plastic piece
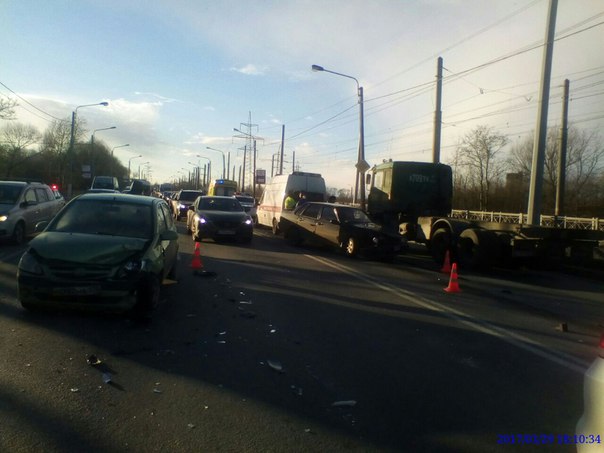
[75,390]
[190,426]
[93,360]
[275,365]
[156,390]
[347,403]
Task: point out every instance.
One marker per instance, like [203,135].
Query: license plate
[77,291]
[226,232]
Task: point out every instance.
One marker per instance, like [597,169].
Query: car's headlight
[202,220]
[3,218]
[248,221]
[181,206]
[131,267]
[30,265]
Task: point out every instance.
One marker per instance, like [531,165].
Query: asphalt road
[278,348]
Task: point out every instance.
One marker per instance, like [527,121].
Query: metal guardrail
[572,223]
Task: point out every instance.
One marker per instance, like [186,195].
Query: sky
[181,75]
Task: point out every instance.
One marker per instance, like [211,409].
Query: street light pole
[92,172]
[362,166]
[139,168]
[130,160]
[208,173]
[74,115]
[115,147]
[223,164]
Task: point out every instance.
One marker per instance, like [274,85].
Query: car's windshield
[9,193]
[189,196]
[352,215]
[105,217]
[220,204]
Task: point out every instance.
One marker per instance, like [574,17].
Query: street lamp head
[316,67]
[104,103]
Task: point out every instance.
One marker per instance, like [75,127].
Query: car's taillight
[602,346]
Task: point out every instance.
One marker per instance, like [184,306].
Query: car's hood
[86,248]
[223,216]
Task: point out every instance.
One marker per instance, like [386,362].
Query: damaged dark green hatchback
[102,251]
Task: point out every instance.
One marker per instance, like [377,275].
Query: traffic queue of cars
[121,247]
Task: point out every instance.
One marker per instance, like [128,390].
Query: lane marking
[520,341]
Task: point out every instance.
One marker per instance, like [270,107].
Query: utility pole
[438,114]
[282,148]
[536,184]
[563,141]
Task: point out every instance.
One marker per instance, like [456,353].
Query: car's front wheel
[147,297]
[19,233]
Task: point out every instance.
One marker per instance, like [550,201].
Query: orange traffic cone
[453,285]
[446,269]
[196,263]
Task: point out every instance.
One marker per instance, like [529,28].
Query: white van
[271,202]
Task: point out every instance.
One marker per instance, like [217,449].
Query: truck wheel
[275,227]
[477,249]
[439,244]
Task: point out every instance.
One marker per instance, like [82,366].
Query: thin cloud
[251,69]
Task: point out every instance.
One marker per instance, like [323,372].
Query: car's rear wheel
[351,246]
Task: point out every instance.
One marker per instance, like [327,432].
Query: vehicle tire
[351,247]
[477,249]
[18,236]
[173,274]
[439,244]
[276,230]
[293,236]
[147,297]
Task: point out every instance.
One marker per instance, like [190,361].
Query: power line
[29,103]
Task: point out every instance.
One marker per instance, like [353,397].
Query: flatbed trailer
[415,198]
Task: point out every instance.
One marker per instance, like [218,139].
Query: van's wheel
[19,233]
[351,246]
[275,227]
[439,244]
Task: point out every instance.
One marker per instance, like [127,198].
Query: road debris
[93,360]
[275,365]
[346,403]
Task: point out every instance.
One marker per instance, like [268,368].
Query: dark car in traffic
[182,200]
[345,227]
[102,251]
[217,218]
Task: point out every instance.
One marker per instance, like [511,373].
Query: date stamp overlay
[548,439]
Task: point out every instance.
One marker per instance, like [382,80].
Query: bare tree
[55,144]
[584,164]
[477,160]
[16,137]
[7,109]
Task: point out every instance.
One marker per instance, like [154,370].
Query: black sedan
[217,218]
[102,251]
[345,227]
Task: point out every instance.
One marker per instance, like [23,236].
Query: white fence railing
[572,223]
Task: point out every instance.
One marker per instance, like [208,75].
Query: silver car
[23,205]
